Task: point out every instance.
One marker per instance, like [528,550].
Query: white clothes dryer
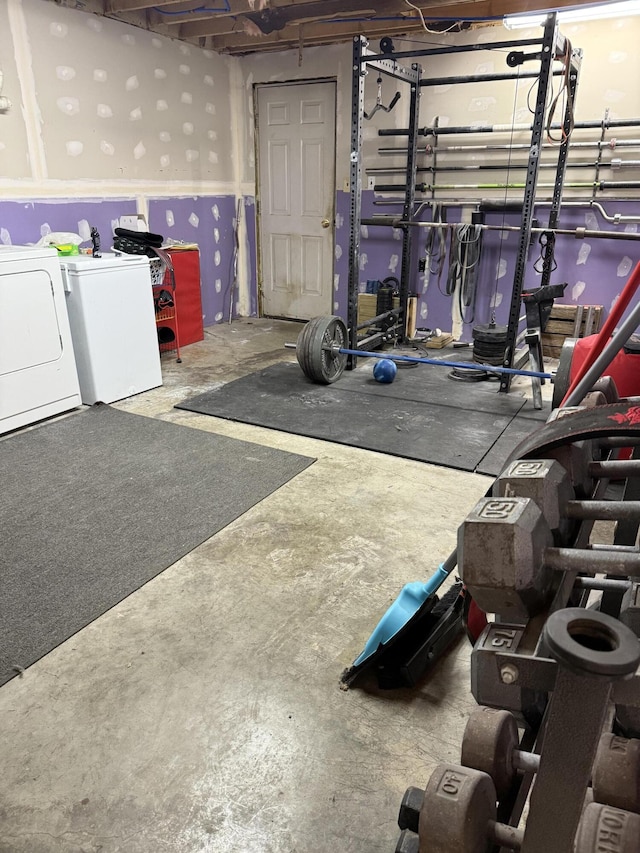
[38,376]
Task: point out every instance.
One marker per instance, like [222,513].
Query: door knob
[326,223]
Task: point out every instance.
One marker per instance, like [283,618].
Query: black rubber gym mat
[428,418]
[520,428]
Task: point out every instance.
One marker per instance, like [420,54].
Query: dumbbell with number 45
[458,815]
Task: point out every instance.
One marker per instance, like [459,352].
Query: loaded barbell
[322,354]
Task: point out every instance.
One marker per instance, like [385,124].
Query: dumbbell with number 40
[458,815]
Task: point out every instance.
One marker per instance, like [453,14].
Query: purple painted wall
[207,221]
[25,222]
[252,256]
[596,269]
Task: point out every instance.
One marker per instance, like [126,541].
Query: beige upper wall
[106,101]
[97,102]
[610,79]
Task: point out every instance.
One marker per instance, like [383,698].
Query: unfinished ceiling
[244,26]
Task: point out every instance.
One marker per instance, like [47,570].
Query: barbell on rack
[322,354]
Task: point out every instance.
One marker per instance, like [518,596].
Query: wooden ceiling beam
[312,34]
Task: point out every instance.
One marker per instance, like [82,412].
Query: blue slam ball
[385,370]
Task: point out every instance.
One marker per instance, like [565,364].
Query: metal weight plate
[487,333]
[317,361]
[562,378]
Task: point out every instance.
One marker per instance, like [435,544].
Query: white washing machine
[38,376]
[113,325]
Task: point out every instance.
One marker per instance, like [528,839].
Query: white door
[297,143]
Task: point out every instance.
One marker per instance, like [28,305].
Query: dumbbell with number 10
[490,744]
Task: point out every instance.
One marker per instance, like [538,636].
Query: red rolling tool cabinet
[186,267]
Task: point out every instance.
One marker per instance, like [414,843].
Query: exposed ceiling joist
[243,26]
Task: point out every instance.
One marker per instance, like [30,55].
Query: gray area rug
[96,504]
[422,415]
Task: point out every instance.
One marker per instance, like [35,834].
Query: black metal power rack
[551,46]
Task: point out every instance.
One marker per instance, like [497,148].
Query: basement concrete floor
[203,714]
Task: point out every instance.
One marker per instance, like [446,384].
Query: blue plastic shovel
[409,601]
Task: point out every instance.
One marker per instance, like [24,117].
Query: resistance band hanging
[379,105]
[436,244]
[547,241]
[464,264]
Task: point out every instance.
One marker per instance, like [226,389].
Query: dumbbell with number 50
[508,545]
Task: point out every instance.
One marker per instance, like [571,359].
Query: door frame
[303,81]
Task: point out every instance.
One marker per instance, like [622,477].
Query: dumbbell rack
[566,672]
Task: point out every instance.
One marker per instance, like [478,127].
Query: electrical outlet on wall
[345,186]
[371,183]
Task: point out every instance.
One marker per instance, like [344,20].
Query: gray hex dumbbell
[575,459]
[547,482]
[501,546]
